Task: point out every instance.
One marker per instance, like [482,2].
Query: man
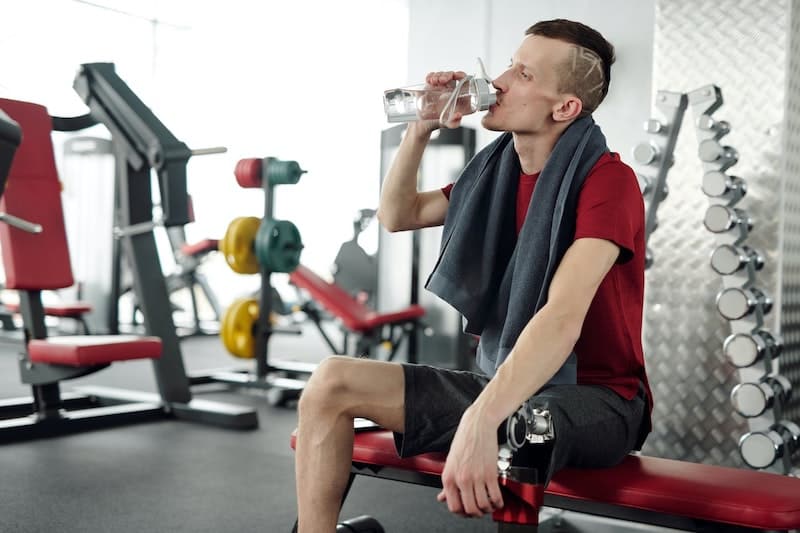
[551,278]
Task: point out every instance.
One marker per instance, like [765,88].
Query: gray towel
[494,279]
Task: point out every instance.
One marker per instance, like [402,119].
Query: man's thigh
[435,400]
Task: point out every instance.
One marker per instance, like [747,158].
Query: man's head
[586,72]
[560,72]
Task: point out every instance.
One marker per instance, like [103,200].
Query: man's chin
[488,122]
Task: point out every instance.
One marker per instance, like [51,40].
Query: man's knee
[326,383]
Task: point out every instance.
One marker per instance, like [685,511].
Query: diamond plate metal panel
[743,47]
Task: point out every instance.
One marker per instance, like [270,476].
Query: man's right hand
[441,80]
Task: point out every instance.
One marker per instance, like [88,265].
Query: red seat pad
[70,310]
[200,248]
[746,498]
[83,350]
[353,314]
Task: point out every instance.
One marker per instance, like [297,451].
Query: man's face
[527,92]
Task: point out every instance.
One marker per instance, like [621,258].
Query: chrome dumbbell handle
[728,259]
[19,223]
[746,349]
[717,184]
[734,303]
[753,399]
[760,449]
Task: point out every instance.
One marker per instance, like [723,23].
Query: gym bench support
[355,316]
[642,490]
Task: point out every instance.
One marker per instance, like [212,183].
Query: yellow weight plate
[237,330]
[237,246]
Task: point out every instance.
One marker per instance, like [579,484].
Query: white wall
[449,34]
[299,80]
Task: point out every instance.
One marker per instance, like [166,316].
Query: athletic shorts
[594,426]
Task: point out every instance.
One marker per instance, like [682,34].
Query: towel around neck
[495,279]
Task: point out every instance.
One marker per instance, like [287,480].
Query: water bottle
[420,102]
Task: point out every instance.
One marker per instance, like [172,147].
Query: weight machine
[142,143]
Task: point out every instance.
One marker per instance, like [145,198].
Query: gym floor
[179,476]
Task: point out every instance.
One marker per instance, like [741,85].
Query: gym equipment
[36,258]
[405,258]
[763,395]
[237,245]
[640,490]
[141,144]
[264,246]
[658,152]
[354,269]
[372,329]
[238,324]
[750,348]
[189,258]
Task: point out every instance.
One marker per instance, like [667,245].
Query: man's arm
[549,337]
[401,206]
[470,475]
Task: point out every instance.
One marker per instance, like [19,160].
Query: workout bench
[372,328]
[644,490]
[36,258]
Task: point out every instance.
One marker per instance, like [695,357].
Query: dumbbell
[753,399]
[746,349]
[728,259]
[735,303]
[760,449]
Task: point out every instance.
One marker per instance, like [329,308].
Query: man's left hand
[469,477]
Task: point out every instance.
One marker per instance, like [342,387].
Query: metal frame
[142,143]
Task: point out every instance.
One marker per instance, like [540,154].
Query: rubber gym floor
[179,476]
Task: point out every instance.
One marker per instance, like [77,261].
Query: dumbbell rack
[283,380]
[762,392]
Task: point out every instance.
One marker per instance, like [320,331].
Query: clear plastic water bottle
[420,102]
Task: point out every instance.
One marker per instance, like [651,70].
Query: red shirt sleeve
[610,205]
[446,190]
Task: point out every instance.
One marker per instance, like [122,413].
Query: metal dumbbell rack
[274,247]
[762,393]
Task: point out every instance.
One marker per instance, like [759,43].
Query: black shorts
[594,426]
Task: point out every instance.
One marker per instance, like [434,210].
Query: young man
[551,278]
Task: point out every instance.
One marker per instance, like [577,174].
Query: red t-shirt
[610,207]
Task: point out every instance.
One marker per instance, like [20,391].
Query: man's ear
[570,108]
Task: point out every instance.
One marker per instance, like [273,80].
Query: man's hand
[470,472]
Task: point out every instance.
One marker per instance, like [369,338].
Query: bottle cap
[486,97]
[483,85]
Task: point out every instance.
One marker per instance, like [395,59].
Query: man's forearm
[540,351]
[399,191]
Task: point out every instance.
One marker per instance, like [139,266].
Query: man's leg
[339,390]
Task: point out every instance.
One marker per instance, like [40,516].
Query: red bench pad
[746,498]
[199,248]
[69,310]
[353,314]
[84,350]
